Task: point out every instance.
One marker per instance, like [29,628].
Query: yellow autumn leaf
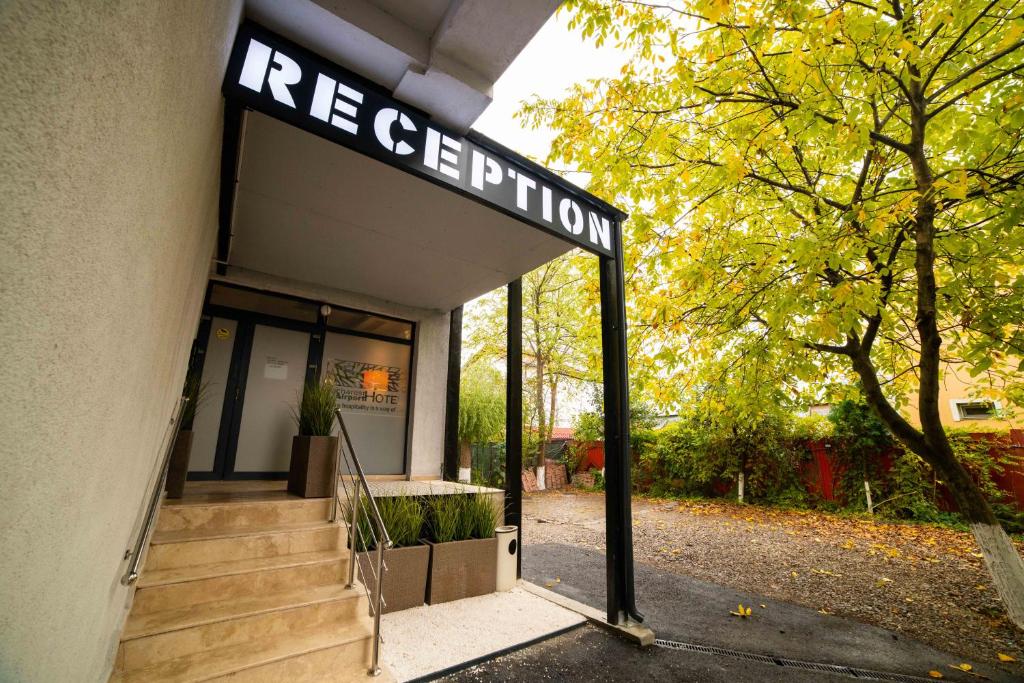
[962,667]
[935,674]
[741,611]
[1005,658]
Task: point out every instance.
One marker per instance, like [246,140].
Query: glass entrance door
[273,385]
[258,349]
[253,373]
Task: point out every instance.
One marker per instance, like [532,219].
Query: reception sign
[276,77]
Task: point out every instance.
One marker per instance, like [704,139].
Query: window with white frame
[973,409]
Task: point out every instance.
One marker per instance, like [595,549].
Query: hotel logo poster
[368,388]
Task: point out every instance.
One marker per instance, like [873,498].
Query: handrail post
[374,661]
[334,488]
[353,537]
[374,521]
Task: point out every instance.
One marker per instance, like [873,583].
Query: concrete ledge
[637,633]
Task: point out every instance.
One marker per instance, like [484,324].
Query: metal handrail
[378,532]
[131,575]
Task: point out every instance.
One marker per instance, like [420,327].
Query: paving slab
[424,641]
[680,608]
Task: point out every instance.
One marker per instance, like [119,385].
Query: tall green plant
[315,413]
[444,519]
[480,517]
[195,390]
[403,518]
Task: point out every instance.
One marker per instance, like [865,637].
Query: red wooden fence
[821,472]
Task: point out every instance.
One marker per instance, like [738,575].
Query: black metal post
[451,415]
[618,516]
[514,416]
[230,146]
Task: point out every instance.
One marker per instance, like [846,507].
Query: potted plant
[405,581]
[311,472]
[177,470]
[463,548]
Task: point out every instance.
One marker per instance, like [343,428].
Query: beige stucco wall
[431,390]
[109,158]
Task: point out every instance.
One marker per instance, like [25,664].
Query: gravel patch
[920,580]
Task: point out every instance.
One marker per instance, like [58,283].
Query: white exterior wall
[430,360]
[110,144]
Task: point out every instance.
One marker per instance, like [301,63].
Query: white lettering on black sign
[287,82]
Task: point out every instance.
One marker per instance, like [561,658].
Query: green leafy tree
[481,411]
[560,344]
[862,439]
[825,186]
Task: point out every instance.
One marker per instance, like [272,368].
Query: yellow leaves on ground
[935,674]
[825,572]
[962,667]
[743,612]
[1005,658]
[882,582]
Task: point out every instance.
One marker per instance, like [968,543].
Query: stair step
[189,547]
[142,625]
[246,660]
[149,639]
[164,589]
[220,516]
[163,577]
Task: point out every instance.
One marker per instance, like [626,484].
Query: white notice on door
[276,368]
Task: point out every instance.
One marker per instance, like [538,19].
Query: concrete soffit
[440,56]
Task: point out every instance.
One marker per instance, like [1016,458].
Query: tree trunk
[465,461]
[931,443]
[867,497]
[740,481]
[541,422]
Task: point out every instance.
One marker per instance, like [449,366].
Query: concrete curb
[637,633]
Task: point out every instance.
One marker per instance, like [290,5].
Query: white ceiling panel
[311,210]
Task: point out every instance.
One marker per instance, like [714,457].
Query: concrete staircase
[246,590]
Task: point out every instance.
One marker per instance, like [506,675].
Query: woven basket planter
[311,470]
[177,470]
[405,581]
[462,569]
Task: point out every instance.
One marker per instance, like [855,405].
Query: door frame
[234,391]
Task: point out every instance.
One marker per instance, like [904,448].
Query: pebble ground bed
[925,581]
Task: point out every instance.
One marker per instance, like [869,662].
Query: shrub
[315,413]
[460,517]
[480,516]
[444,519]
[403,517]
[195,390]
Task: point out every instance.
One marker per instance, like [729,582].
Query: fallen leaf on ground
[766,607]
[935,674]
[742,612]
[1005,658]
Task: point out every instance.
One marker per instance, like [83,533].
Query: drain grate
[849,671]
